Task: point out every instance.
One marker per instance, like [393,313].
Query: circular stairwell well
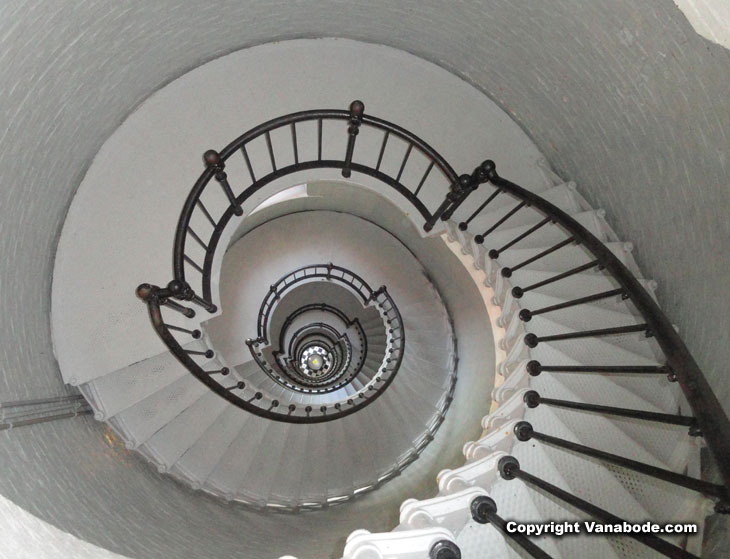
[339,342]
[206,449]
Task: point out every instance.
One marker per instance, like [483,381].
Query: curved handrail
[357,119]
[313,271]
[256,401]
[339,314]
[325,272]
[708,411]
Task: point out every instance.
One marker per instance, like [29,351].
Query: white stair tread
[562,196]
[201,458]
[171,441]
[573,323]
[561,260]
[547,235]
[145,418]
[119,390]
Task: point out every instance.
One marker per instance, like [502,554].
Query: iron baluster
[534,368]
[484,510]
[244,152]
[479,239]
[382,150]
[195,236]
[206,212]
[194,333]
[319,139]
[465,224]
[508,271]
[213,160]
[403,164]
[423,179]
[295,148]
[533,399]
[494,253]
[357,109]
[518,292]
[267,135]
[526,315]
[531,340]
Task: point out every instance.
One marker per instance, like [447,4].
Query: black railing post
[534,368]
[526,314]
[468,184]
[181,290]
[357,109]
[495,252]
[213,160]
[518,292]
[444,549]
[479,239]
[452,196]
[531,340]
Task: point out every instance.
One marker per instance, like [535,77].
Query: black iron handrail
[335,311]
[329,272]
[681,365]
[257,402]
[357,120]
[326,272]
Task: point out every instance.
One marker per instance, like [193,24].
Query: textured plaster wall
[622,96]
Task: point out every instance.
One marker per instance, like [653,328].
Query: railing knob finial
[523,431]
[489,168]
[177,288]
[507,466]
[357,109]
[533,368]
[531,398]
[212,158]
[444,549]
[481,507]
[144,291]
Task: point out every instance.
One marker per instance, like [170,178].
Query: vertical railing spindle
[357,109]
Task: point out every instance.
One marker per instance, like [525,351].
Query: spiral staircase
[294,334]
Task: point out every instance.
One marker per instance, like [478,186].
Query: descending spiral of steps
[626,493]
[334,331]
[191,433]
